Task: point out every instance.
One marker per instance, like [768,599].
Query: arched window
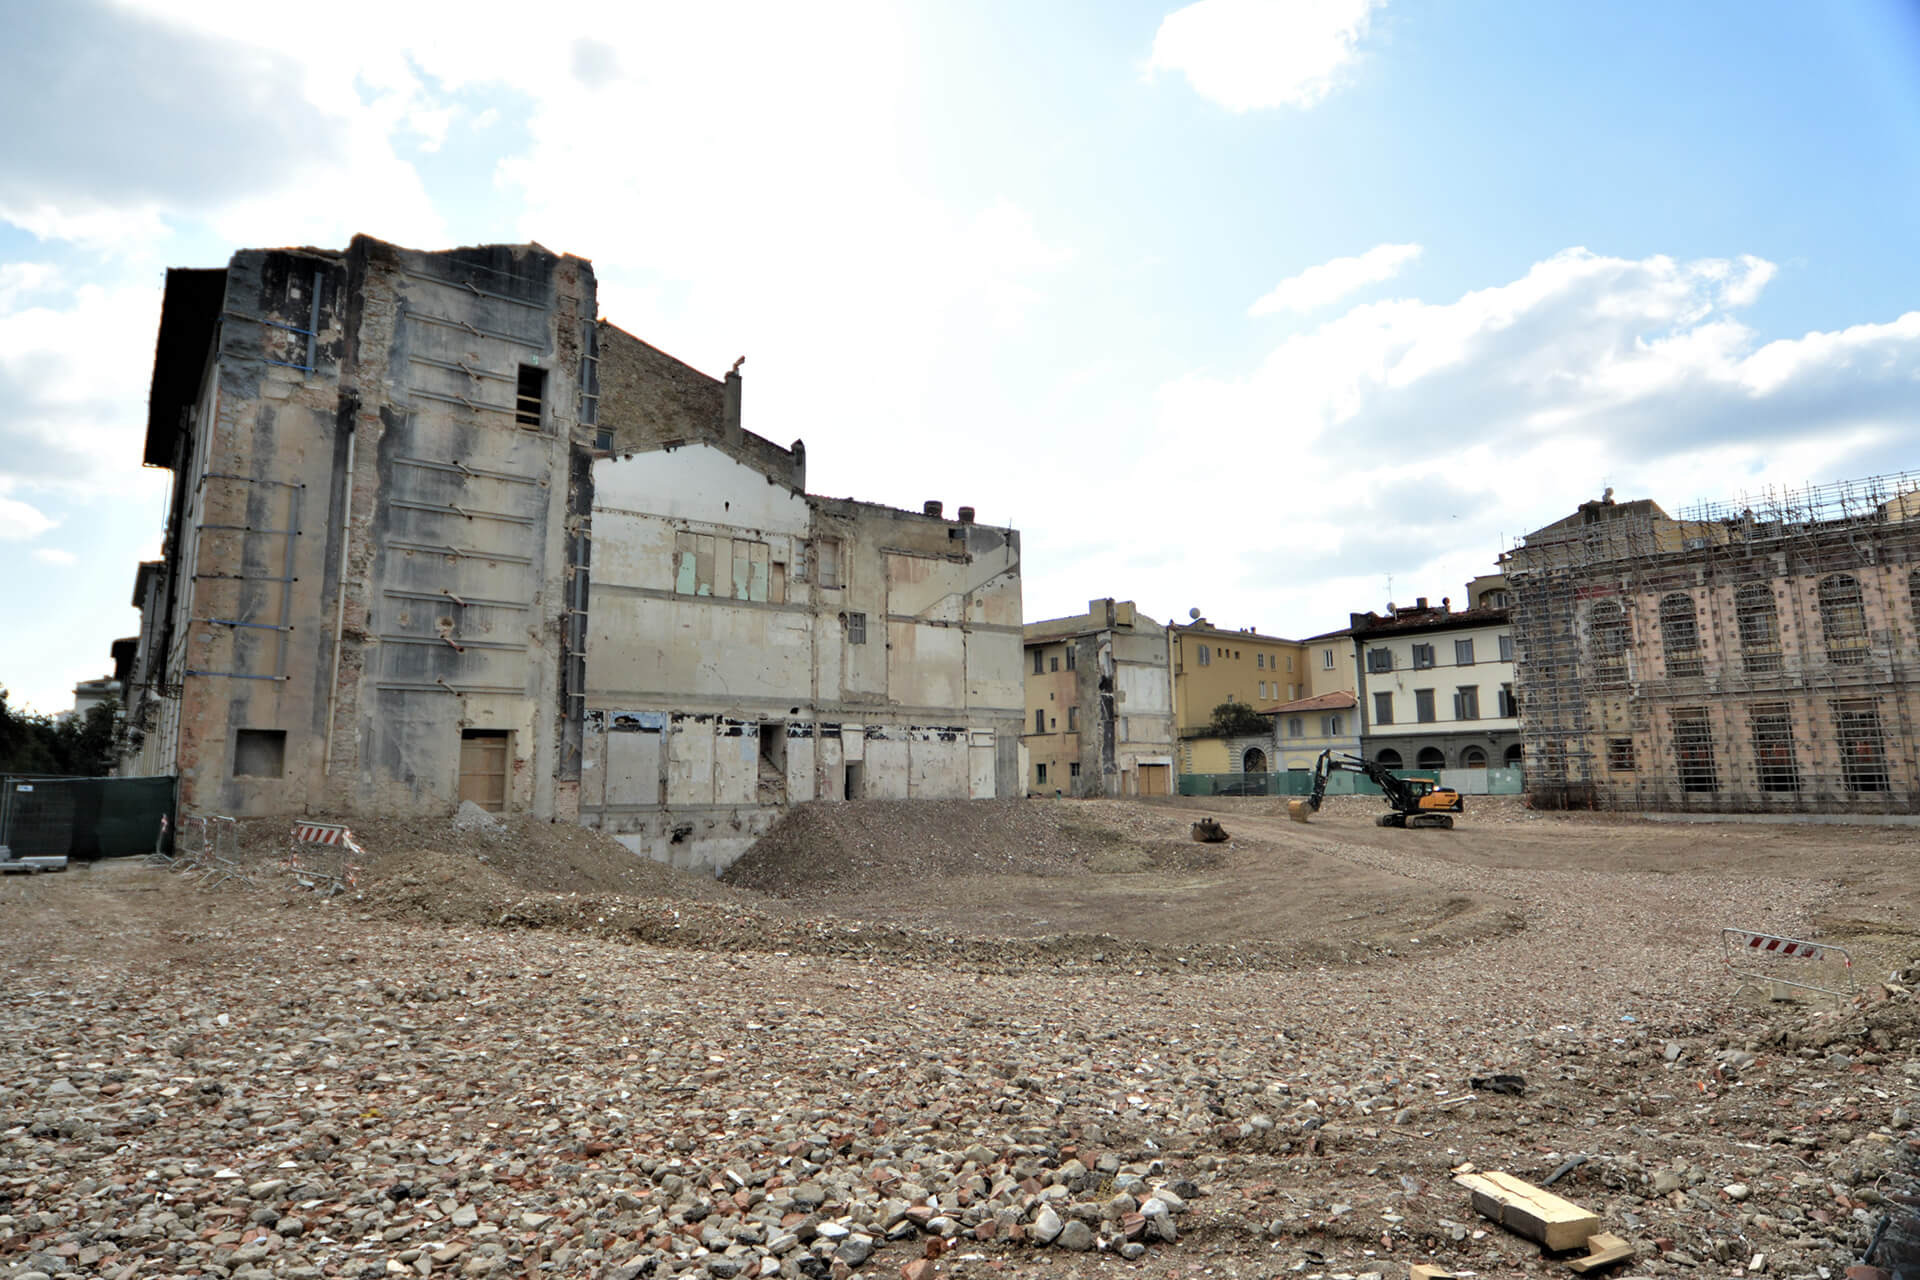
[1680,635]
[1387,758]
[1514,756]
[1431,758]
[1607,625]
[1843,619]
[1254,761]
[1473,758]
[1758,617]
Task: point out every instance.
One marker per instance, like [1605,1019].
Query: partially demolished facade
[1759,658]
[417,554]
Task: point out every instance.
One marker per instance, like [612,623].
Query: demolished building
[1758,657]
[392,479]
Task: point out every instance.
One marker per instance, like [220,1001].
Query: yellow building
[1212,666]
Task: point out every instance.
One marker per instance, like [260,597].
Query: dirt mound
[817,849]
[507,855]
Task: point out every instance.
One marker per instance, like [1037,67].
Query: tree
[80,746]
[1238,720]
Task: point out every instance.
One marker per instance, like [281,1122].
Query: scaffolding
[1753,655]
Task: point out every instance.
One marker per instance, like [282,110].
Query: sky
[1275,309]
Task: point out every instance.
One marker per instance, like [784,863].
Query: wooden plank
[1607,1249]
[1531,1211]
[1427,1271]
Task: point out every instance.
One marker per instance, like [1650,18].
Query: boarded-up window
[828,571]
[260,753]
[693,555]
[1863,746]
[530,396]
[1774,765]
[483,768]
[856,628]
[751,570]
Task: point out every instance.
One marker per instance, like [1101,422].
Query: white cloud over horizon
[1334,279]
[1245,55]
[1416,440]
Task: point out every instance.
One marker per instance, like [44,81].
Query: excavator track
[1441,820]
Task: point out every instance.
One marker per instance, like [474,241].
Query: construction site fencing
[1299,782]
[85,818]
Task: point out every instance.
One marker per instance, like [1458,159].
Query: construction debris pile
[244,1083]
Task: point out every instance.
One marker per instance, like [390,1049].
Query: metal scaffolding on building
[1755,655]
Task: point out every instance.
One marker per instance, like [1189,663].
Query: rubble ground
[1019,1038]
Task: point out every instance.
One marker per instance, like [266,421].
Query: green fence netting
[85,818]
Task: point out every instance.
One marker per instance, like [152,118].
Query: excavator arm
[1421,807]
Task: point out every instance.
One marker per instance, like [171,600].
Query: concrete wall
[750,647]
[1104,697]
[448,533]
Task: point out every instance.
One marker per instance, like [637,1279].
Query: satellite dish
[1193,614]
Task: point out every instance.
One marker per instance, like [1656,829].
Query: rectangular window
[1039,663]
[751,570]
[1423,705]
[1326,659]
[1295,727]
[483,768]
[1073,769]
[260,753]
[1289,662]
[1069,657]
[1329,726]
[1509,709]
[1053,663]
[1073,719]
[1383,708]
[856,628]
[1040,774]
[1693,750]
[1422,657]
[1506,648]
[1863,747]
[1260,661]
[1463,652]
[1202,655]
[1775,768]
[1620,755]
[530,398]
[1466,702]
[826,559]
[693,563]
[1040,720]
[1379,660]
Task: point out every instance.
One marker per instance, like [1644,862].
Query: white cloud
[20,520]
[1248,54]
[56,556]
[1418,439]
[1317,286]
[75,380]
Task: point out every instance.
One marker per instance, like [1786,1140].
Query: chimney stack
[932,507]
[966,515]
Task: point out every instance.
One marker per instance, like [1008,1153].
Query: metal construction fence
[83,818]
[1299,782]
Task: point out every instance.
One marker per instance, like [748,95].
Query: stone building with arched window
[1752,657]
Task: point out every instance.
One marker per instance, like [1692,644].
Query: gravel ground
[557,1076]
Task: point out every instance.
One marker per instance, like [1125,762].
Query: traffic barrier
[310,838]
[1749,956]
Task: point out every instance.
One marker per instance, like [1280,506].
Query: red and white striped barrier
[325,833]
[1755,949]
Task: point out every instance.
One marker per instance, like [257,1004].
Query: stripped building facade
[1762,657]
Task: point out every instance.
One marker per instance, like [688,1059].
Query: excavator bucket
[1299,810]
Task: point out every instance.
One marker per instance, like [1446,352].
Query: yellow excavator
[1415,802]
